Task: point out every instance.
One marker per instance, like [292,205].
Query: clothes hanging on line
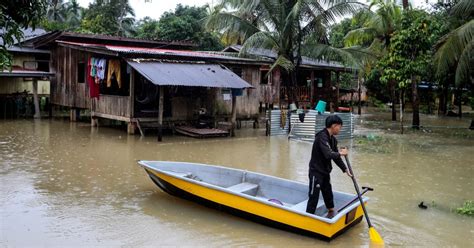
[101,63]
[93,68]
[114,70]
[93,86]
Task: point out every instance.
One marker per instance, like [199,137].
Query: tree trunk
[405,4]
[443,101]
[393,98]
[460,101]
[359,92]
[415,103]
[337,91]
[402,93]
[36,99]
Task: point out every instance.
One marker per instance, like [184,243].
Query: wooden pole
[132,125]
[234,115]
[401,110]
[132,93]
[160,114]
[35,99]
[338,81]
[359,93]
[313,88]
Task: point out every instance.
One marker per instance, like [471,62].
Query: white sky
[155,8]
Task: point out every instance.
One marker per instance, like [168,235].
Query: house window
[81,72]
[264,77]
[237,70]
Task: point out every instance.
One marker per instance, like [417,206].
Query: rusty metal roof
[188,74]
[133,51]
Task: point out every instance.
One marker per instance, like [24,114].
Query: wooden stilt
[94,121]
[35,99]
[72,114]
[131,126]
[234,115]
[338,81]
[140,128]
[160,115]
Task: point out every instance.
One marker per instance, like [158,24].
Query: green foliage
[466,209]
[290,28]
[373,143]
[15,15]
[409,53]
[339,31]
[147,28]
[111,17]
[377,103]
[184,23]
[62,15]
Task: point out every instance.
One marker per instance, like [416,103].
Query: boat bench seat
[181,174]
[301,207]
[243,187]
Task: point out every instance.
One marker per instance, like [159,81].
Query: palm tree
[454,50]
[73,13]
[290,28]
[56,10]
[376,34]
[126,17]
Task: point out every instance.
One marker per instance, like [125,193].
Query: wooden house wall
[110,105]
[65,89]
[248,104]
[12,85]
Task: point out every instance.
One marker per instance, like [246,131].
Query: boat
[266,199]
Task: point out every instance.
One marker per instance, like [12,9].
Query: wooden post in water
[359,94]
[35,98]
[160,114]
[132,126]
[338,81]
[234,115]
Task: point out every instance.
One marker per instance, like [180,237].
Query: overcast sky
[155,8]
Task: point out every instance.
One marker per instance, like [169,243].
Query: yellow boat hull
[255,210]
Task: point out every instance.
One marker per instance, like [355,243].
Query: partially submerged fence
[313,123]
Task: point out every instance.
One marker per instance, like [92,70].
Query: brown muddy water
[67,184]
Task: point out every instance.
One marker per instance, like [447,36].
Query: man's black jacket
[324,150]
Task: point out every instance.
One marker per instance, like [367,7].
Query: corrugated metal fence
[275,127]
[313,123]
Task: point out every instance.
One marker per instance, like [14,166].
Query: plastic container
[321,106]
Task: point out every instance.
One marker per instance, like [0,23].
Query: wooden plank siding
[112,105]
[65,89]
[248,104]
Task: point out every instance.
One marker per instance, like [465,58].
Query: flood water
[67,184]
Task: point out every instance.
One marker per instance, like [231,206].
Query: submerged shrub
[466,209]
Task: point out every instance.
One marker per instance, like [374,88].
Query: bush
[466,209]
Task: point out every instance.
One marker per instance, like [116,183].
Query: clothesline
[96,74]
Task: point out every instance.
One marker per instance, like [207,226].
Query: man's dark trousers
[319,183]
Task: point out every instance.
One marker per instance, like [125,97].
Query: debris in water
[422,206]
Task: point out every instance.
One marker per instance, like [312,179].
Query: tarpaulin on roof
[189,74]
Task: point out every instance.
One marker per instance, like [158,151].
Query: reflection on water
[64,183]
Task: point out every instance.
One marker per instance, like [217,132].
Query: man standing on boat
[324,150]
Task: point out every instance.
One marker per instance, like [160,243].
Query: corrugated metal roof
[28,33]
[154,51]
[17,71]
[189,74]
[272,54]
